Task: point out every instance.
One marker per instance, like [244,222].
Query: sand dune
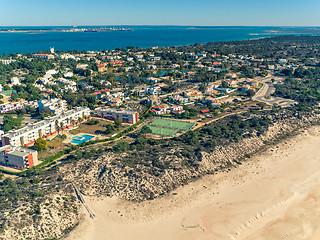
[274,195]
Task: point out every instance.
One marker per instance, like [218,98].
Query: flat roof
[17,151]
[116,110]
[20,152]
[47,121]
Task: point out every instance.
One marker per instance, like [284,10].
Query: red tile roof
[204,111]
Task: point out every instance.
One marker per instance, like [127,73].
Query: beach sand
[273,195]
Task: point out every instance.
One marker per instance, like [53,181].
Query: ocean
[141,36]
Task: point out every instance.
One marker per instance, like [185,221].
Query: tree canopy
[40,144]
[10,123]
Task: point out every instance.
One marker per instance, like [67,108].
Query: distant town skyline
[142,12]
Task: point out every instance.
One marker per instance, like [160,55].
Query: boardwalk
[81,199]
[77,191]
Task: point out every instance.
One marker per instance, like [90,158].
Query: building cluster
[125,116]
[102,67]
[163,109]
[68,84]
[12,106]
[26,136]
[150,90]
[163,78]
[56,106]
[7,61]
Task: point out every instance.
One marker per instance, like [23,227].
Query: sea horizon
[155,25]
[41,38]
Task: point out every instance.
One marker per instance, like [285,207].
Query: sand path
[274,195]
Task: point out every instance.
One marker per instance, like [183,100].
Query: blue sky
[165,12]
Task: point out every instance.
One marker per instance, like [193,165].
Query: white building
[57,106]
[155,58]
[153,90]
[15,81]
[202,55]
[26,136]
[282,61]
[48,76]
[44,56]
[193,56]
[7,61]
[8,107]
[152,80]
[152,67]
[52,71]
[175,65]
[68,84]
[68,74]
[67,56]
[82,66]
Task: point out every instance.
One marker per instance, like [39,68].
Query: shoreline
[246,203]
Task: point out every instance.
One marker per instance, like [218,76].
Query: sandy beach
[273,195]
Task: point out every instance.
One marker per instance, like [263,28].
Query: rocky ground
[49,215]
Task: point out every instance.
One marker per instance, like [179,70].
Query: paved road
[264,94]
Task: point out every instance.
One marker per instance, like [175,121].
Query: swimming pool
[83,138]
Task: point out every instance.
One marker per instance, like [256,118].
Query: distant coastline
[73,29]
[274,32]
[20,39]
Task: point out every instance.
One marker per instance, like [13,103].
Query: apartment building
[125,116]
[8,107]
[44,56]
[26,136]
[57,106]
[16,157]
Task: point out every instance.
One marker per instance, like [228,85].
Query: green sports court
[168,123]
[163,131]
[168,127]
